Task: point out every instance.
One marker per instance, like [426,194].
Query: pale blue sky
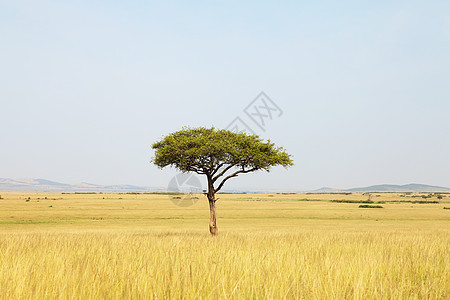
[87,86]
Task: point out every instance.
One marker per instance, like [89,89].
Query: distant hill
[413,187]
[326,190]
[36,184]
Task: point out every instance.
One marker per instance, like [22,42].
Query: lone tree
[219,155]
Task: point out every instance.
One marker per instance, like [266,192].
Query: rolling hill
[37,184]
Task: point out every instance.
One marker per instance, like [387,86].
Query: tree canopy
[214,153]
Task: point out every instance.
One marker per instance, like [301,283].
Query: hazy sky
[87,86]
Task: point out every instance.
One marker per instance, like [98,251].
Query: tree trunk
[211,195]
[212,210]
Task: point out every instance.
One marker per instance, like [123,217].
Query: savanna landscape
[224,150]
[272,246]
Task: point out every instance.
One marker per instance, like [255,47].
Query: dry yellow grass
[269,246]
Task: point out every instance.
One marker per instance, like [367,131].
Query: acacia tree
[219,155]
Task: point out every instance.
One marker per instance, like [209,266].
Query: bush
[352,201]
[370,206]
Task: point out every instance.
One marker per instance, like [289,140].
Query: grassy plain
[295,246]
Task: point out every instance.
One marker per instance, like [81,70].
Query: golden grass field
[114,246]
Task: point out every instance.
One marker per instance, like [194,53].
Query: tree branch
[223,172]
[196,170]
[217,169]
[235,174]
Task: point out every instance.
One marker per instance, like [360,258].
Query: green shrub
[352,201]
[370,206]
